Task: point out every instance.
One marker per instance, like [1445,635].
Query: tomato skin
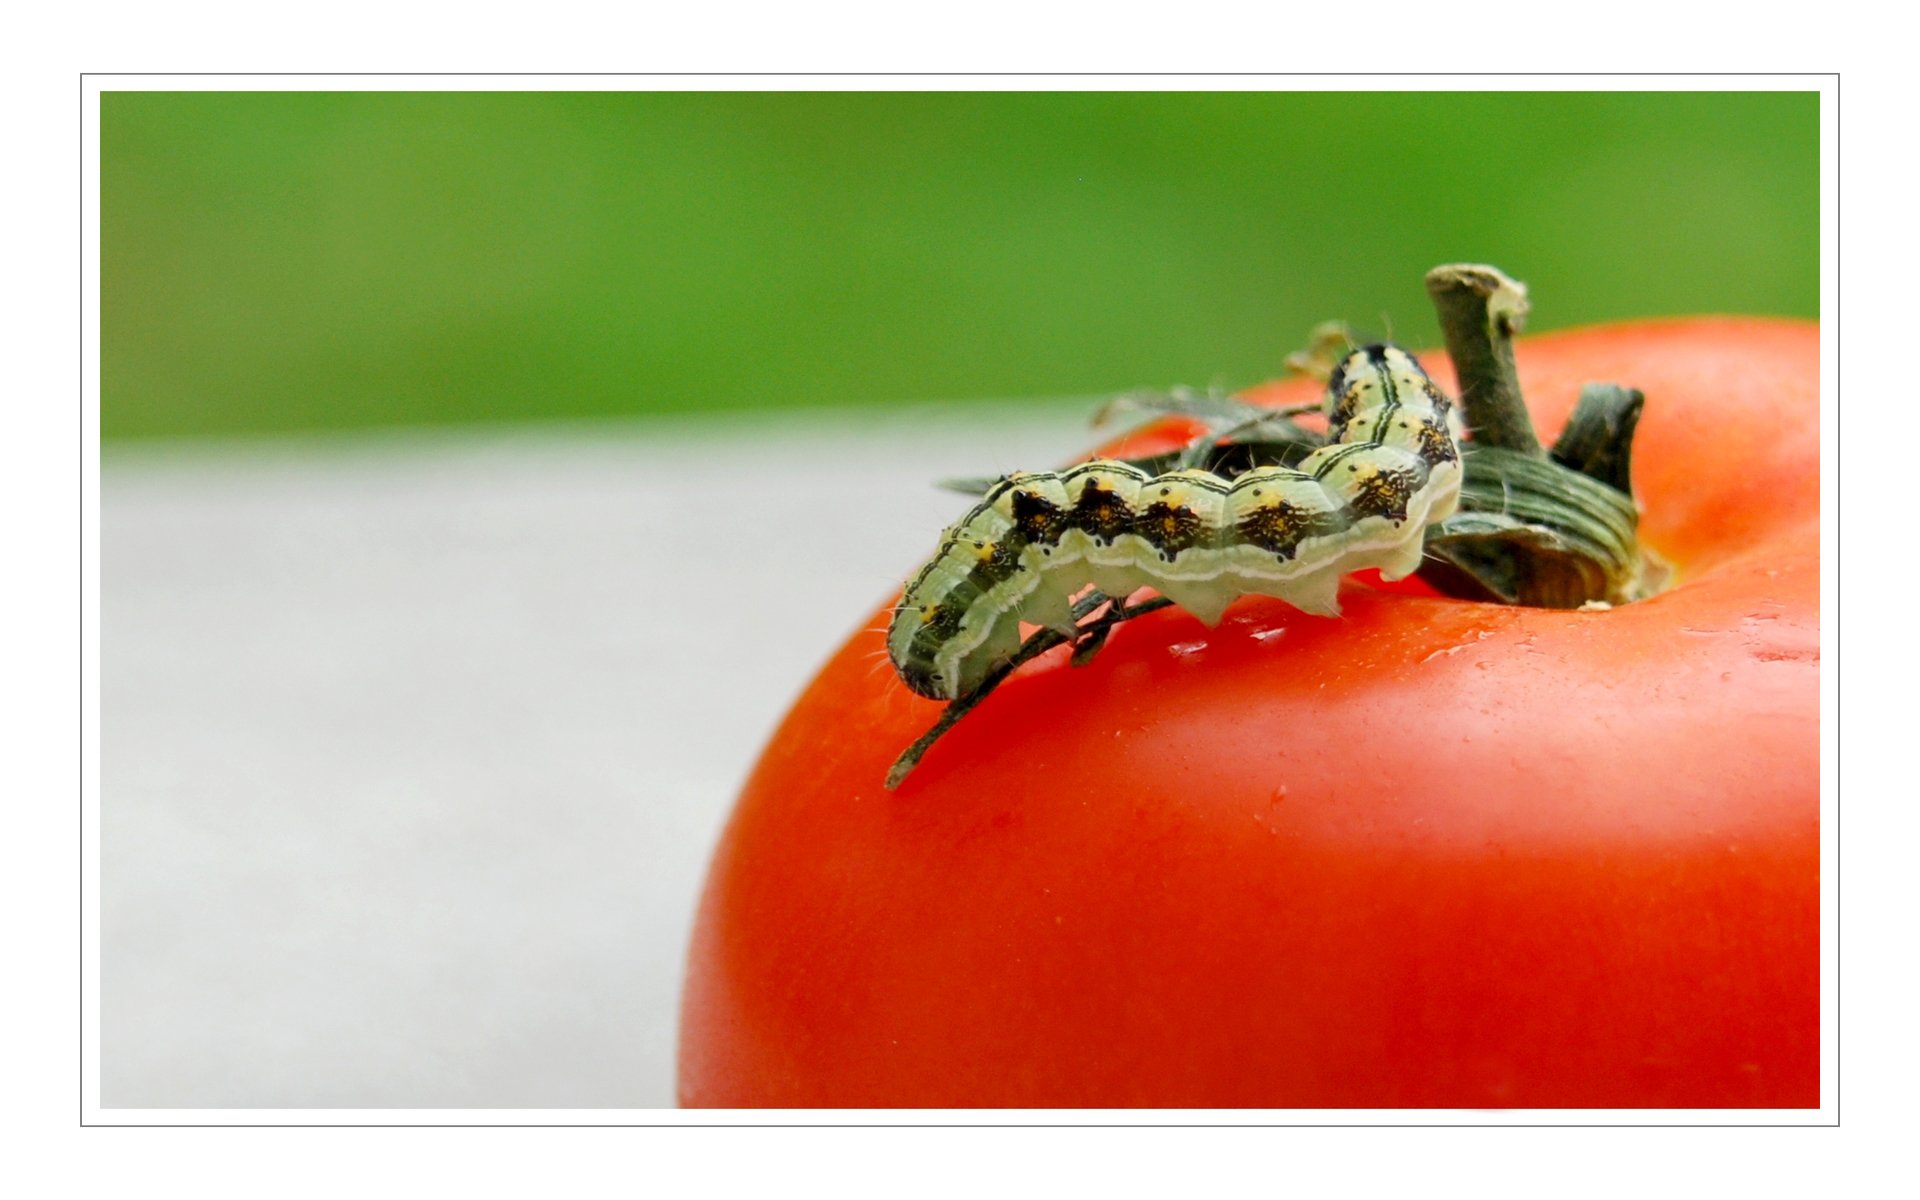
[1431,853]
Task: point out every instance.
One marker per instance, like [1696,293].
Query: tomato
[1431,853]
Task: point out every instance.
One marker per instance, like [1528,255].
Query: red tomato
[1431,853]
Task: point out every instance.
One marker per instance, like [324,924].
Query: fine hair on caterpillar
[1391,466]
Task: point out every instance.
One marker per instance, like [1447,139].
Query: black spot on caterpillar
[1035,540]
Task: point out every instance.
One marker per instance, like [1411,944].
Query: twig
[1036,645]
[1480,310]
[1548,530]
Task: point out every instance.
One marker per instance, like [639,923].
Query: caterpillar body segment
[1035,540]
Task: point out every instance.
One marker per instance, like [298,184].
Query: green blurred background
[300,261]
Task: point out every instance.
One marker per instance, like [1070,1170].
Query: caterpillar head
[917,669]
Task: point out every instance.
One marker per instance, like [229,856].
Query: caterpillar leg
[1404,559]
[1001,643]
[1206,600]
[1051,607]
[1120,582]
[1317,593]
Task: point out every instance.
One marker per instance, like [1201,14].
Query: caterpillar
[1036,539]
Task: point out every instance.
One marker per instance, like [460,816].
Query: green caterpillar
[1035,540]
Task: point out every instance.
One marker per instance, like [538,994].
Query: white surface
[414,747]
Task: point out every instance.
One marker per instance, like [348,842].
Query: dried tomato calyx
[1547,530]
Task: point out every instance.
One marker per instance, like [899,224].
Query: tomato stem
[1532,532]
[1548,530]
[1481,309]
[1598,439]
